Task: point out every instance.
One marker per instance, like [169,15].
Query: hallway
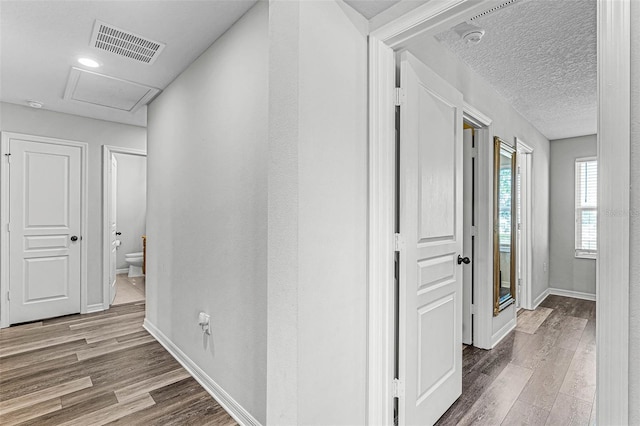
[544,372]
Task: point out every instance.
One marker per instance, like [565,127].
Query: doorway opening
[125,187]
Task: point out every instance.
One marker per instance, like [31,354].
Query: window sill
[592,256]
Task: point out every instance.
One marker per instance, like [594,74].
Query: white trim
[231,406]
[504,332]
[380,339]
[570,293]
[613,127]
[525,156]
[612,264]
[122,271]
[107,152]
[483,266]
[540,299]
[96,307]
[4,217]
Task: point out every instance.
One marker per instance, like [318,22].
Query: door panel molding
[613,120]
[4,216]
[107,152]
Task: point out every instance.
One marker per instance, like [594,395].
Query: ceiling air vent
[125,43]
[494,9]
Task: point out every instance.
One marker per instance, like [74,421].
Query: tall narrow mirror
[504,229]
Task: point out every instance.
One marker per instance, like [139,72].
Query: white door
[44,231]
[113,247]
[467,282]
[430,326]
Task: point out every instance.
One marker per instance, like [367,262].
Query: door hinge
[8,227]
[8,155]
[398,388]
[474,309]
[399,96]
[8,296]
[473,231]
[474,152]
[398,242]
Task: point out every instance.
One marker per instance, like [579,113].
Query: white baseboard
[96,307]
[225,400]
[503,332]
[540,299]
[571,293]
[122,271]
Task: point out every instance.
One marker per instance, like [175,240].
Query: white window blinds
[586,207]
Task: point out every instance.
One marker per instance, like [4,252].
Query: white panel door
[430,326]
[44,232]
[113,246]
[467,282]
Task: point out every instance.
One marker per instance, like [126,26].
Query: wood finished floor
[543,373]
[96,369]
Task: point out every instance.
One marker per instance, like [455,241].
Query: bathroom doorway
[124,226]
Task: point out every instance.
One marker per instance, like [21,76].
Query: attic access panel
[106,91]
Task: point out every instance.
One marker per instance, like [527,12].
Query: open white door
[44,233]
[467,282]
[113,246]
[430,317]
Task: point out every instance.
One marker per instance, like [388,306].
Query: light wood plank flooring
[543,373]
[96,369]
[129,290]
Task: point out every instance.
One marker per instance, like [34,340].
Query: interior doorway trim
[4,217]
[525,240]
[613,234]
[107,152]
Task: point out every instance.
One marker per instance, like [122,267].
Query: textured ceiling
[541,56]
[41,40]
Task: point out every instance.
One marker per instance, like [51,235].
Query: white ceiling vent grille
[494,9]
[125,43]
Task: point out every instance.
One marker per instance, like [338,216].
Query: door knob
[464,260]
[118,233]
[74,238]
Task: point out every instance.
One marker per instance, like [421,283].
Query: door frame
[614,81]
[107,152]
[525,235]
[4,217]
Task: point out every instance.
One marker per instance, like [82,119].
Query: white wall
[207,210]
[131,204]
[317,215]
[634,296]
[507,124]
[41,122]
[566,271]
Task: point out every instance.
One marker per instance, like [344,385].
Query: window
[586,207]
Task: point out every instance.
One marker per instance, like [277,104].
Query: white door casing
[113,228]
[45,238]
[525,243]
[467,283]
[430,328]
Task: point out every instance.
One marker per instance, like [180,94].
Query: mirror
[504,228]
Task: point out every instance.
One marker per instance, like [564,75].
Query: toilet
[135,264]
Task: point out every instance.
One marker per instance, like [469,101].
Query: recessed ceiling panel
[106,91]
